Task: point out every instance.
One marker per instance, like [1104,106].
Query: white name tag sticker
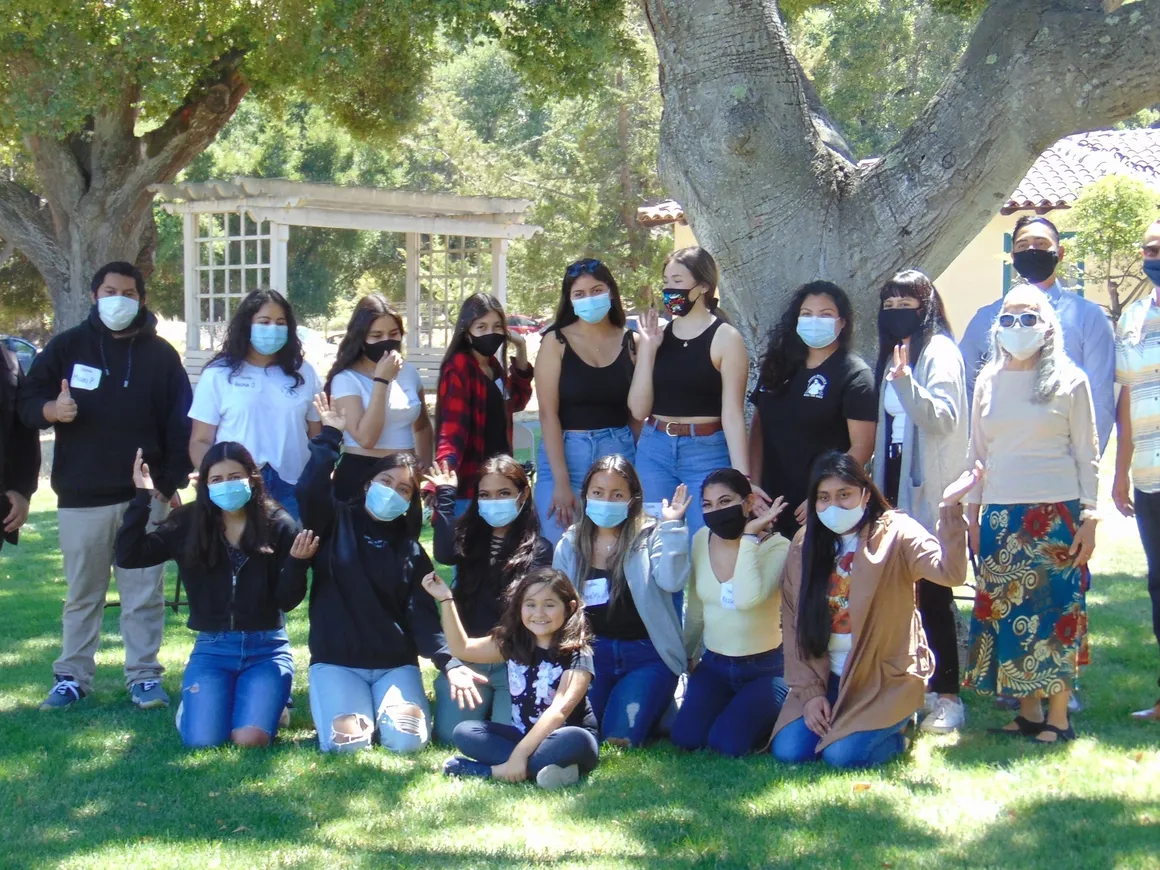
[596,591]
[727,596]
[85,377]
[244,382]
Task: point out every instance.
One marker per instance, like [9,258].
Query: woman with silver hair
[1032,523]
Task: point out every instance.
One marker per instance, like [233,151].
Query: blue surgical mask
[817,332]
[499,512]
[230,495]
[117,312]
[606,514]
[384,503]
[594,308]
[1151,269]
[268,338]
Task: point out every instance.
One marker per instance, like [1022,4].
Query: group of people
[785,585]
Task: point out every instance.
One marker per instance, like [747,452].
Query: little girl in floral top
[544,639]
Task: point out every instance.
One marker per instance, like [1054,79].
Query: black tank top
[593,397]
[685,381]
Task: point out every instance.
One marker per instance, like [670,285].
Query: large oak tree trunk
[93,204]
[763,174]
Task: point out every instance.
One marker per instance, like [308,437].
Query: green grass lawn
[106,785]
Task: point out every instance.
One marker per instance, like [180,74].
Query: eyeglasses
[1027,319]
[581,267]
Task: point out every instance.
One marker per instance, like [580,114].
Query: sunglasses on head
[1027,318]
[581,267]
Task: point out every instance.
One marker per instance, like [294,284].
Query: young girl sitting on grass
[543,637]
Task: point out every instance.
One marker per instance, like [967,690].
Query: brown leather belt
[681,429]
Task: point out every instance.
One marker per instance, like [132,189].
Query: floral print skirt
[1029,626]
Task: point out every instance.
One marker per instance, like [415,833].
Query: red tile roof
[1053,182]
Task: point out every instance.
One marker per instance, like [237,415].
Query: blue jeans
[281,491]
[496,706]
[731,703]
[234,679]
[631,689]
[490,743]
[665,461]
[581,449]
[796,743]
[351,705]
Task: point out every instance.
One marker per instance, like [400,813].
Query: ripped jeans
[351,706]
[631,689]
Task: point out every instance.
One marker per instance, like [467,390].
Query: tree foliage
[1109,219]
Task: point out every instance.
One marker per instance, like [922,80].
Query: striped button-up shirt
[1138,367]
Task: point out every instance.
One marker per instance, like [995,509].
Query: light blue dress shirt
[1088,339]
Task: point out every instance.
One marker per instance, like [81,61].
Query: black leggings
[935,606]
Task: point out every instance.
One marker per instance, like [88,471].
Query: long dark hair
[237,344]
[474,307]
[413,518]
[820,549]
[369,309]
[516,642]
[473,536]
[912,284]
[638,523]
[566,314]
[787,352]
[702,267]
[206,544]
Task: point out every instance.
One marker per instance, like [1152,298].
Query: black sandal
[1062,735]
[1026,728]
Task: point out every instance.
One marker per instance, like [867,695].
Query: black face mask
[727,522]
[895,324]
[1035,265]
[376,350]
[487,344]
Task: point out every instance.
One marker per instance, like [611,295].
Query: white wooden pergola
[236,235]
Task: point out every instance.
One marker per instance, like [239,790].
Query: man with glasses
[1136,490]
[1087,333]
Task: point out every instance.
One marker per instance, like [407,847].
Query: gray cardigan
[934,448]
[656,568]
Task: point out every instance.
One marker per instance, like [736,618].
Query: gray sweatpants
[86,541]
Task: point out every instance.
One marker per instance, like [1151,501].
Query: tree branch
[1035,70]
[24,224]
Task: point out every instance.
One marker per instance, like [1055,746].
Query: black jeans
[935,603]
[1148,522]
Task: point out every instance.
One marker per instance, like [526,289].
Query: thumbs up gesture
[66,407]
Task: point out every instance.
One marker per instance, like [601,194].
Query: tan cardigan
[887,668]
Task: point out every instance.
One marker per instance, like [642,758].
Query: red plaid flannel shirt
[463,413]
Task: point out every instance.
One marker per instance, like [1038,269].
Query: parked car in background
[25,351]
[523,324]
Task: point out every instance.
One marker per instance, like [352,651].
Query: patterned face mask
[677,301]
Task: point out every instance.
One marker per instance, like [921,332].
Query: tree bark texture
[94,205]
[761,169]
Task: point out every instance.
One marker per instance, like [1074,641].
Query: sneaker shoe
[553,776]
[1074,705]
[1150,714]
[65,692]
[948,715]
[928,703]
[457,765]
[148,694]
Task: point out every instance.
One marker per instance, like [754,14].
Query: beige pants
[86,541]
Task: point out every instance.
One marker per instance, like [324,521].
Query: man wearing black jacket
[110,386]
[19,453]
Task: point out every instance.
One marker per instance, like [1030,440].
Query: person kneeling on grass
[239,559]
[856,659]
[544,639]
[369,619]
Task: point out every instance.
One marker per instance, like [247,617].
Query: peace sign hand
[331,416]
[764,520]
[901,366]
[680,503]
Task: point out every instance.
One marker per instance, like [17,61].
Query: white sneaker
[552,776]
[928,703]
[948,715]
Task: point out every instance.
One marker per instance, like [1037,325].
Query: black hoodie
[141,399]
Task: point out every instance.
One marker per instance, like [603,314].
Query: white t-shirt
[403,405]
[897,413]
[261,409]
